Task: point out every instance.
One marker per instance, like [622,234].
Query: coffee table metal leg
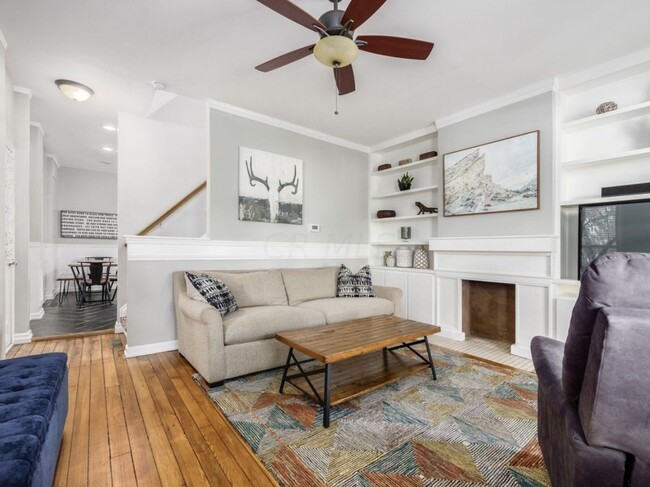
[433,369]
[326,401]
[286,369]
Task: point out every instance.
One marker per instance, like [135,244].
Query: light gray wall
[36,185]
[81,190]
[22,106]
[50,202]
[526,116]
[152,319]
[335,184]
[159,162]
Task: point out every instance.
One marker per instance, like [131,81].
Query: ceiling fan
[337,47]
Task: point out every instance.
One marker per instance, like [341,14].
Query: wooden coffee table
[363,351]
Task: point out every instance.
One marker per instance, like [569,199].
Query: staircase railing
[173,209]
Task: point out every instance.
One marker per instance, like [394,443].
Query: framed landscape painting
[495,177]
[270,187]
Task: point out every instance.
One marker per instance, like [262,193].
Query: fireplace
[489,310]
[524,262]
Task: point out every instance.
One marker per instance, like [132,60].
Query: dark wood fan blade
[285,59]
[360,11]
[396,47]
[344,79]
[292,12]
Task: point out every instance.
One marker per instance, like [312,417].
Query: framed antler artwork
[270,187]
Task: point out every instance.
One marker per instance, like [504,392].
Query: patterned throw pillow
[214,291]
[357,285]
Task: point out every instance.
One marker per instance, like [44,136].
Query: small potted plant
[405,182]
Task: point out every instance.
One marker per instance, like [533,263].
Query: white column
[36,156]
[22,106]
[3,143]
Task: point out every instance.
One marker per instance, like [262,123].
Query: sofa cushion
[212,291]
[357,285]
[262,322]
[309,284]
[343,309]
[264,288]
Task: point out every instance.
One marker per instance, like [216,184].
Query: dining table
[94,271]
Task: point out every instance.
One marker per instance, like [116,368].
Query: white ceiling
[208,49]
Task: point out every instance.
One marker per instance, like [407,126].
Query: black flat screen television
[612,227]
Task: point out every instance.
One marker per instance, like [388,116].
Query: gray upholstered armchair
[594,391]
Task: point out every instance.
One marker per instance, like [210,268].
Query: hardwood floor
[142,421]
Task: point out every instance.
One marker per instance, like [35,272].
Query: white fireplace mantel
[525,261]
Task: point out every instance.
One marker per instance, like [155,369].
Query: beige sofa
[269,301]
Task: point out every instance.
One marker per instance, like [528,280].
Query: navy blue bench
[33,408]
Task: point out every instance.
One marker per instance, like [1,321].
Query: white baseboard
[453,334]
[20,338]
[50,296]
[37,316]
[521,351]
[130,352]
[119,328]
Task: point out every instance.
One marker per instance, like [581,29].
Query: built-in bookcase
[385,195]
[597,151]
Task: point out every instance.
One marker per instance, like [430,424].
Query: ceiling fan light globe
[336,51]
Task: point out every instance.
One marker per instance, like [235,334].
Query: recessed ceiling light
[108,149]
[109,127]
[105,162]
[73,90]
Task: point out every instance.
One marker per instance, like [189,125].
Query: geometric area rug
[476,425]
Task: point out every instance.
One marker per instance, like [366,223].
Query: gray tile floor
[70,318]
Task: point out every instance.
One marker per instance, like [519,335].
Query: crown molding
[516,96]
[275,122]
[576,78]
[405,138]
[54,160]
[39,127]
[23,91]
[3,41]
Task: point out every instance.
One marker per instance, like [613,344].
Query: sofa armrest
[547,358]
[200,338]
[393,294]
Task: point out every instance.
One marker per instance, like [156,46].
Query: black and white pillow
[214,292]
[357,285]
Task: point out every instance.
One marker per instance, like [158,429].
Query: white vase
[404,257]
[390,260]
[420,258]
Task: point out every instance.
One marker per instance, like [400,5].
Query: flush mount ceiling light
[336,51]
[109,127]
[73,90]
[108,149]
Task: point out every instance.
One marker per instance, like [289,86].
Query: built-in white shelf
[624,113]
[399,242]
[402,269]
[406,167]
[609,199]
[404,218]
[405,192]
[612,158]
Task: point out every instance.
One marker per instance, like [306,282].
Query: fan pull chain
[336,93]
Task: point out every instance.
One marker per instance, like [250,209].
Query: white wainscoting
[177,249]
